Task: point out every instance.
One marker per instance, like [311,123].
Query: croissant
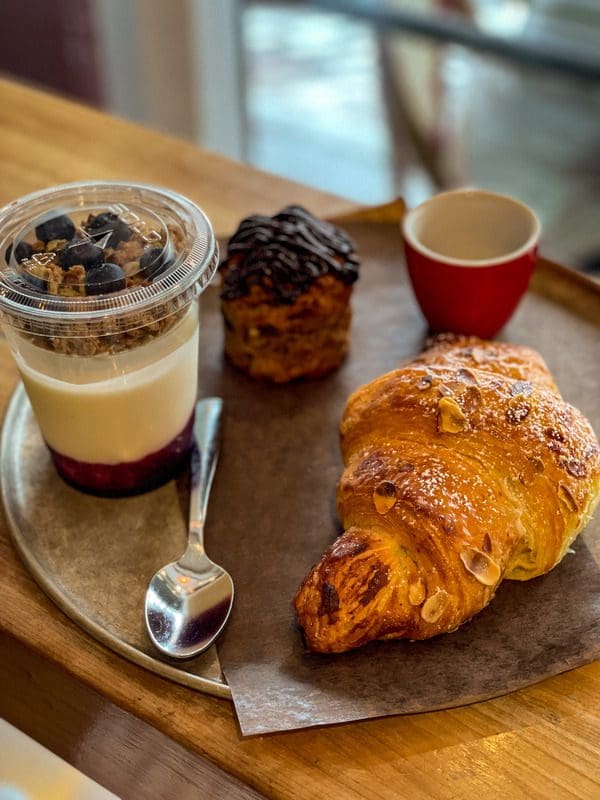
[462,468]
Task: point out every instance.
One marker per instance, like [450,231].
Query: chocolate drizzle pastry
[287,283]
[285,255]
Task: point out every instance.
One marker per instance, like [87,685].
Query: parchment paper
[272,513]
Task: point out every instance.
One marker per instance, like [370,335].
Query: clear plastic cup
[108,354]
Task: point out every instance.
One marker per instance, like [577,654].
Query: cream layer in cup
[153,394]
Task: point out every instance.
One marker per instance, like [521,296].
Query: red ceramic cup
[470,255]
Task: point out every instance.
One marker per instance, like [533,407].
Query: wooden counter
[142,736]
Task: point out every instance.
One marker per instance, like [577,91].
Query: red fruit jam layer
[130,477]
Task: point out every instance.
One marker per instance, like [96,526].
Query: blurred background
[368,99]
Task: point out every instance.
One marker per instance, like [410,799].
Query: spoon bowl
[188,601]
[186,612]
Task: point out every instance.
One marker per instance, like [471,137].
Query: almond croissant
[462,468]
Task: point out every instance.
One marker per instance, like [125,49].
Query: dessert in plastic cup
[98,290]
[470,255]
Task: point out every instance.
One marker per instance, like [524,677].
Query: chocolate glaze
[285,254]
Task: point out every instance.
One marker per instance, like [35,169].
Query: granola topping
[64,266]
[97,254]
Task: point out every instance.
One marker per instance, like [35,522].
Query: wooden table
[144,737]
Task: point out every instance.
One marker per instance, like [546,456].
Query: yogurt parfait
[98,290]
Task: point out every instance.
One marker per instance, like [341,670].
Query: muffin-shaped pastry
[287,282]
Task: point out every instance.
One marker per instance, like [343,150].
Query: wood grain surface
[124,754]
[46,140]
[542,742]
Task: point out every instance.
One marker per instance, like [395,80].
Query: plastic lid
[98,258]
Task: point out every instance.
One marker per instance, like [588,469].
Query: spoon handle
[205,454]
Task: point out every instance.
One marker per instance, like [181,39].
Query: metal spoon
[189,601]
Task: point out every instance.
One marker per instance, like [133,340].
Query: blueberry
[105,278]
[81,252]
[152,261]
[23,250]
[100,225]
[56,228]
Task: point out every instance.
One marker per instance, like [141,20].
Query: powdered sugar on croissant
[463,468]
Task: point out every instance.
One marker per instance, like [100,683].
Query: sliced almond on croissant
[566,497]
[384,497]
[434,606]
[481,566]
[450,416]
[417,592]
